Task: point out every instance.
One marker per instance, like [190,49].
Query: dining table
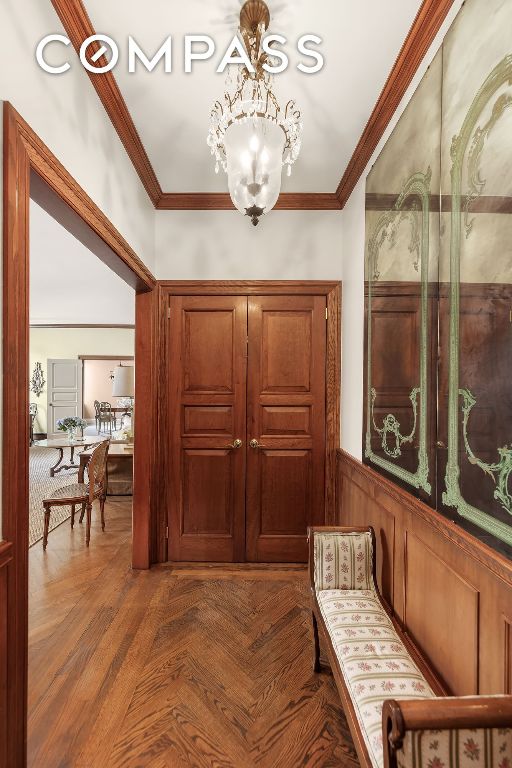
[60,443]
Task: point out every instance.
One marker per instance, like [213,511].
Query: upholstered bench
[374,663]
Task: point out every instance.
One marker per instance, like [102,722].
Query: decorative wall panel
[439,283]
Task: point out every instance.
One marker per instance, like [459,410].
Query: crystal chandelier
[251,137]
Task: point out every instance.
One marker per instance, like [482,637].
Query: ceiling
[171,111]
[68,283]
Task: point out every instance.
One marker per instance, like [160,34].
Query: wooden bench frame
[445,712]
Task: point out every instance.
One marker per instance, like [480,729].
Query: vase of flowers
[72,425]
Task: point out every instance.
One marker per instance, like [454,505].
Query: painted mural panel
[439,283]
[475,405]
[402,225]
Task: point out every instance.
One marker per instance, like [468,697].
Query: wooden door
[286,425]
[207,361]
[64,392]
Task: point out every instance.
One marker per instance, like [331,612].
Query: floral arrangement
[71,422]
[124,434]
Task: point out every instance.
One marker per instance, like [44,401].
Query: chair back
[97,469]
[105,409]
[32,409]
[97,408]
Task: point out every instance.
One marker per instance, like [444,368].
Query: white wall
[66,113]
[68,283]
[224,245]
[353,241]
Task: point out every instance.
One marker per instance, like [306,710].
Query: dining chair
[32,413]
[97,414]
[82,493]
[106,416]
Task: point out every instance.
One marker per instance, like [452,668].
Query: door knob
[254,444]
[236,443]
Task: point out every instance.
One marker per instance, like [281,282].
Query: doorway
[31,171]
[249,424]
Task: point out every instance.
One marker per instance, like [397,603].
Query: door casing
[332,291]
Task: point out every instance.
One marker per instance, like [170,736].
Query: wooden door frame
[26,156]
[332,291]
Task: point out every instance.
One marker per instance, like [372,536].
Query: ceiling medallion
[251,137]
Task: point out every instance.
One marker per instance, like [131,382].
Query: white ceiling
[361,41]
[68,283]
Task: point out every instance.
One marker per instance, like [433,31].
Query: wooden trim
[425,27]
[494,561]
[80,325]
[221,201]
[40,159]
[106,357]
[248,287]
[5,553]
[23,153]
[77,24]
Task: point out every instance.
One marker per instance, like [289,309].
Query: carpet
[41,485]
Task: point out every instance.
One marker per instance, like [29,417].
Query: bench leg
[316,640]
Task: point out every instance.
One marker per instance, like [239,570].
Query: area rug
[41,485]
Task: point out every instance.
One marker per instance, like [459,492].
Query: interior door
[64,392]
[207,362]
[286,425]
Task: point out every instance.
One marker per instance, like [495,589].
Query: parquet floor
[177,666]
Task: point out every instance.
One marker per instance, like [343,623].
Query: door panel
[286,416]
[207,396]
[64,392]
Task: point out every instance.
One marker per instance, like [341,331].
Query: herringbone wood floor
[178,666]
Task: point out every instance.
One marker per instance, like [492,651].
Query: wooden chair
[97,414]
[82,493]
[106,416]
[32,413]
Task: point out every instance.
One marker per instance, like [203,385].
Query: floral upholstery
[343,561]
[375,663]
[452,748]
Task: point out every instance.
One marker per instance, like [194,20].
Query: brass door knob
[236,443]
[254,444]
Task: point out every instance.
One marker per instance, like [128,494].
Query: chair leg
[47,511]
[102,508]
[316,640]
[73,507]
[88,524]
[82,513]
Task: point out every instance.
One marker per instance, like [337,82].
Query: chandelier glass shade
[251,137]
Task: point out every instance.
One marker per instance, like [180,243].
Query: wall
[224,245]
[98,384]
[450,592]
[65,112]
[353,247]
[67,343]
[69,285]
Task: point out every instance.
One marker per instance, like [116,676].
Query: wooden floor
[177,666]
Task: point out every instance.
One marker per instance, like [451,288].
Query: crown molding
[78,27]
[425,27]
[221,201]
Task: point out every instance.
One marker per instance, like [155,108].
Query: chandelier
[251,136]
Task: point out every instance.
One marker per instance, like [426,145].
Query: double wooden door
[246,458]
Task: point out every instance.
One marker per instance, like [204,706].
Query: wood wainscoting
[451,593]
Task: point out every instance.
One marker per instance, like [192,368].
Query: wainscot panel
[449,591]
